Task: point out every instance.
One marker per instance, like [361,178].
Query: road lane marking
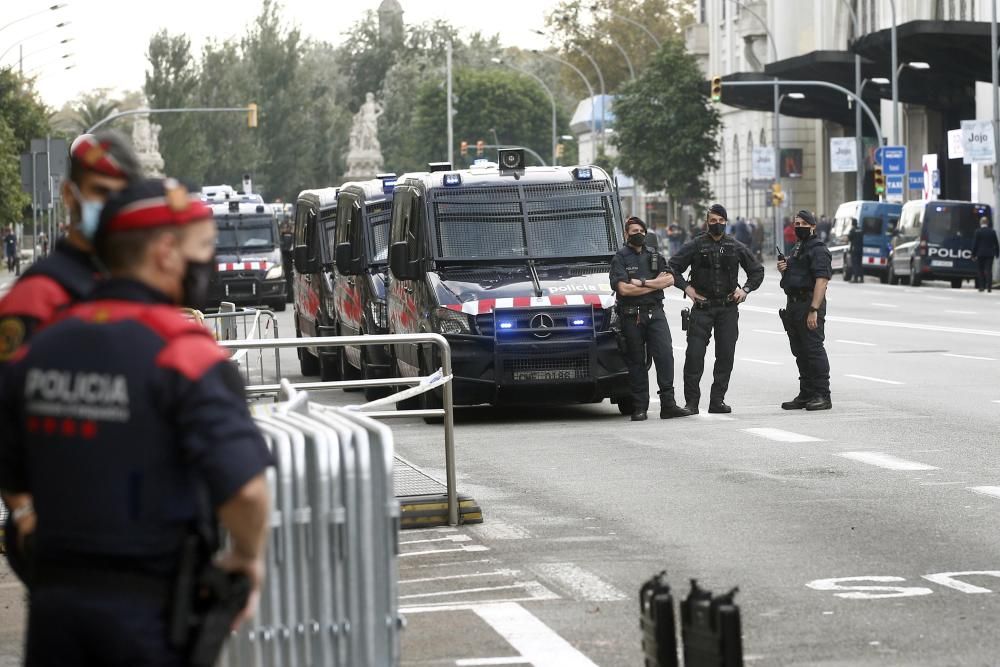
[885,305]
[498,573]
[779,435]
[887,461]
[962,312]
[854,342]
[762,361]
[442,529]
[471,547]
[451,564]
[482,662]
[950,579]
[449,538]
[714,416]
[966,356]
[585,585]
[538,643]
[871,379]
[768,331]
[499,530]
[525,585]
[888,323]
[986,490]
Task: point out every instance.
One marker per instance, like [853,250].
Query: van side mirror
[305,264]
[401,264]
[343,259]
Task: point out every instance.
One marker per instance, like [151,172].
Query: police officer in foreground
[100,164]
[805,275]
[123,426]
[639,275]
[715,259]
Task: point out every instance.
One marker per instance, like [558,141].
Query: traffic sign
[916,180]
[893,159]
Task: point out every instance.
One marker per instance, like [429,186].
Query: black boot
[671,410]
[797,403]
[819,403]
[639,416]
[692,407]
[719,407]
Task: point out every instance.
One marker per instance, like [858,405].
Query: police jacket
[808,261]
[48,286]
[985,244]
[715,266]
[856,240]
[645,264]
[117,418]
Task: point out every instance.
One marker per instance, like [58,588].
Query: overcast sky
[109,37]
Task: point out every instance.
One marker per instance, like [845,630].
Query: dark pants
[78,628]
[984,273]
[807,346]
[649,331]
[724,319]
[857,266]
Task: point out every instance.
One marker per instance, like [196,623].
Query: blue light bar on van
[506,325]
[451,180]
[578,322]
[388,185]
[583,173]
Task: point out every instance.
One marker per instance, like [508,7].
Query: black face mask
[717,228]
[636,239]
[195,284]
[803,233]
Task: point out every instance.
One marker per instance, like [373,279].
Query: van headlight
[447,321]
[275,272]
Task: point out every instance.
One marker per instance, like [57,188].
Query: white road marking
[871,379]
[471,547]
[582,583]
[762,361]
[962,312]
[987,490]
[993,333]
[887,461]
[449,538]
[451,564]
[465,591]
[530,637]
[714,416]
[443,529]
[498,530]
[768,331]
[885,305]
[498,573]
[966,356]
[950,580]
[854,342]
[476,662]
[779,435]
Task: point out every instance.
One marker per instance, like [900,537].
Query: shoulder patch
[191,354]
[12,331]
[36,296]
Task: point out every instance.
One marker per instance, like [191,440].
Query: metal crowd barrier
[230,323]
[330,596]
[417,385]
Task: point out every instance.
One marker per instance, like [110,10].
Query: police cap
[807,216]
[149,203]
[719,210]
[106,153]
[636,221]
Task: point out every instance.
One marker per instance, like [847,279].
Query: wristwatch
[643,281]
[813,309]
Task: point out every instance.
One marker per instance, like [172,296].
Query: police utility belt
[644,309]
[800,294]
[711,303]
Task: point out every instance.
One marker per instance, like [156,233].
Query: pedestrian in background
[856,243]
[789,235]
[985,249]
[10,249]
[675,238]
[757,239]
[741,232]
[805,275]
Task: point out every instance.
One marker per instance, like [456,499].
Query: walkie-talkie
[781,255]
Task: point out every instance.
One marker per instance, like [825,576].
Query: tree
[23,117]
[594,27]
[92,108]
[667,132]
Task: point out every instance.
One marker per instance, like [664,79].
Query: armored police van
[312,254]
[511,265]
[934,241]
[878,222]
[362,261]
[248,254]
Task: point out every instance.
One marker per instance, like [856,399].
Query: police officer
[985,249]
[805,275]
[714,258]
[856,243]
[100,164]
[114,422]
[639,275]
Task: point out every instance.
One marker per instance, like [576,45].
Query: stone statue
[145,140]
[364,159]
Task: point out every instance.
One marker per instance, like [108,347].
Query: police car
[248,252]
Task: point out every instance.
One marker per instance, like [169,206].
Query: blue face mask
[90,214]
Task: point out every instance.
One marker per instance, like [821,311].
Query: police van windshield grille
[379,217]
[556,220]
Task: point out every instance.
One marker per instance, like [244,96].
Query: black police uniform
[985,249]
[644,326]
[715,268]
[856,241]
[808,261]
[117,419]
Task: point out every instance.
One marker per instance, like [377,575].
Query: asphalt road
[840,527]
[843,529]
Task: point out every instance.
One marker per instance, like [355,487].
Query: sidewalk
[13,611]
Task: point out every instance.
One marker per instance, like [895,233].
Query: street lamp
[548,91]
[777,148]
[50,62]
[600,80]
[626,19]
[586,82]
[564,19]
[46,48]
[62,24]
[52,8]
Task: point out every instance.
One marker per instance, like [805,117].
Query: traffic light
[560,151]
[716,88]
[879,180]
[777,196]
[463,148]
[252,114]
[480,148]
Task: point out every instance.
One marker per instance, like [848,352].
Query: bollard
[710,629]
[656,619]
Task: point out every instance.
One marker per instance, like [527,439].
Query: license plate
[527,376]
[943,263]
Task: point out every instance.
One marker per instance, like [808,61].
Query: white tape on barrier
[432,381]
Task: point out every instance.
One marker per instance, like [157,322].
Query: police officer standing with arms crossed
[714,258]
[804,278]
[123,427]
[639,275]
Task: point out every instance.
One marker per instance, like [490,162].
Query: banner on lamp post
[977,141]
[843,154]
[762,164]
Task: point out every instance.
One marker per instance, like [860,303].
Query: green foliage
[667,132]
[23,117]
